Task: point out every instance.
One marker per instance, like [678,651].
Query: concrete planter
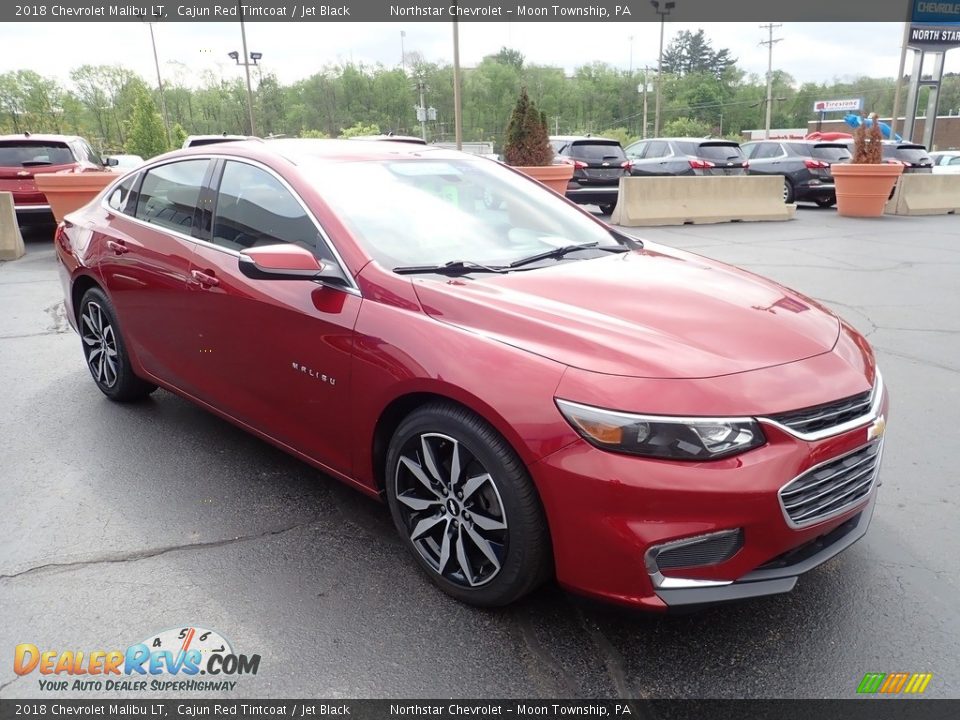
[863,190]
[68,191]
[554,177]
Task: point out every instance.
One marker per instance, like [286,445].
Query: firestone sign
[935,23]
[822,106]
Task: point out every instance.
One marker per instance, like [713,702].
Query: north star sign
[935,23]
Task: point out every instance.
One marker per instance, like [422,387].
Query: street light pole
[662,12]
[246,67]
[163,104]
[646,85]
[631,55]
[457,118]
[403,54]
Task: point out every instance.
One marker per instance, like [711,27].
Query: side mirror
[110,162]
[287,262]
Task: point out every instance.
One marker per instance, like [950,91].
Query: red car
[533,393]
[24,156]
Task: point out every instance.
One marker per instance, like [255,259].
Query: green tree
[359,129]
[686,127]
[177,136]
[146,136]
[690,52]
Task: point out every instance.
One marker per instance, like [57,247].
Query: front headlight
[661,436]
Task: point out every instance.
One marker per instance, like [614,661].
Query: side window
[122,198]
[254,209]
[768,150]
[635,151]
[169,193]
[955,160]
[656,149]
[748,150]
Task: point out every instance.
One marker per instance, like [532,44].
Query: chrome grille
[820,418]
[831,487]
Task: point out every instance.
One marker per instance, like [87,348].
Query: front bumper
[592,194]
[610,513]
[778,575]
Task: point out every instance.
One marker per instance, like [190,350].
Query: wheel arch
[80,286]
[402,405]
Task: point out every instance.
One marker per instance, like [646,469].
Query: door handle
[117,246]
[204,279]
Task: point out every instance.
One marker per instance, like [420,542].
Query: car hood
[654,313]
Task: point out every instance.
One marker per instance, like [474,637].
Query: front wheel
[105,352]
[465,506]
[829,202]
[607,209]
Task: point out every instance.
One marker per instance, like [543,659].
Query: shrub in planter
[528,146]
[865,183]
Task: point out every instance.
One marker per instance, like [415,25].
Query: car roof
[572,138]
[40,137]
[395,138]
[308,150]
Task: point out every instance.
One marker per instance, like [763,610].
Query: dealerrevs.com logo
[180,659]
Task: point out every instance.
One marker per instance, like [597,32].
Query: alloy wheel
[451,509]
[99,345]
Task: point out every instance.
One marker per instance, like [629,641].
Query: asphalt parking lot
[122,521]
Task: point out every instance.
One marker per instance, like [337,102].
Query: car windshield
[833,153]
[20,153]
[712,151]
[597,151]
[908,154]
[417,212]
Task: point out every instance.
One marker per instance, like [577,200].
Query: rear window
[909,154]
[831,153]
[712,151]
[25,153]
[596,151]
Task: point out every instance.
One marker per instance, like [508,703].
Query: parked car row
[599,163]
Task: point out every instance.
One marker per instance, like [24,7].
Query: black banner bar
[874,708]
[859,11]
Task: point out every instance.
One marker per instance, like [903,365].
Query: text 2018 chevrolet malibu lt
[533,393]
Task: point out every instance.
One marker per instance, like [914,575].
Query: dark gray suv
[804,165]
[598,164]
[685,156]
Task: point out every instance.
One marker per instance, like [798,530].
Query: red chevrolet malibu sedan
[533,393]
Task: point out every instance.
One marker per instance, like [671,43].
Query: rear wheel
[105,352]
[828,202]
[788,193]
[607,209]
[465,506]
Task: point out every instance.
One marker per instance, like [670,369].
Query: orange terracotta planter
[863,190]
[68,191]
[554,177]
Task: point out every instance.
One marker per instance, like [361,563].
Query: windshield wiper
[454,267]
[559,252]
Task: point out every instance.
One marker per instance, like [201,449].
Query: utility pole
[646,70]
[631,55]
[662,8]
[422,110]
[769,43]
[403,55]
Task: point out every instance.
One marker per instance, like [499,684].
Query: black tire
[607,209]
[788,192]
[517,558]
[111,372]
[829,202]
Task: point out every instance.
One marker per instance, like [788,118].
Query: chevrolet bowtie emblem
[877,429]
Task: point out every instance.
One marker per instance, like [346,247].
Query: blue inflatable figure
[855,121]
